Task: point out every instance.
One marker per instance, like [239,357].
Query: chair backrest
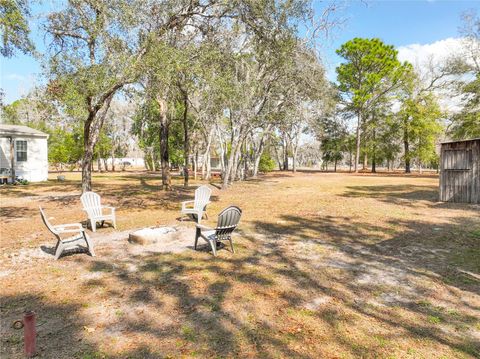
[202,196]
[46,222]
[227,222]
[91,203]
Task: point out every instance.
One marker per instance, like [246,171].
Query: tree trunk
[294,159]
[235,168]
[350,161]
[246,161]
[374,155]
[365,161]
[226,175]
[99,164]
[279,156]
[87,169]
[406,146]
[257,156]
[113,160]
[164,155]
[206,170]
[335,165]
[285,153]
[195,165]
[186,139]
[229,171]
[91,130]
[88,147]
[208,174]
[357,147]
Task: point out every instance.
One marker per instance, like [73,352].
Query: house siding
[35,169]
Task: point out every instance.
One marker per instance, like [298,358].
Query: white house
[24,150]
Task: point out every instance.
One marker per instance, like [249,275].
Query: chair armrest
[112,209]
[201,226]
[78,230]
[69,226]
[184,204]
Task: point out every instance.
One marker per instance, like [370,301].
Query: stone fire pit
[150,235]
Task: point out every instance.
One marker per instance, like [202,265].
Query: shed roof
[472,139]
[17,130]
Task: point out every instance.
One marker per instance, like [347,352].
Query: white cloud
[439,51]
[15,77]
[427,59]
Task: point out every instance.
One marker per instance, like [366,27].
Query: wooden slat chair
[95,211]
[69,242]
[227,222]
[199,208]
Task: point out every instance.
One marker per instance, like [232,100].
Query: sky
[416,28]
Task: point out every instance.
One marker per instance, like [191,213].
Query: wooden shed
[460,171]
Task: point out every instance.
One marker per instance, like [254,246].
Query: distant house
[23,153]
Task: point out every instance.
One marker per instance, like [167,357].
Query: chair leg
[114,222]
[231,245]
[59,250]
[213,245]
[93,225]
[197,234]
[89,244]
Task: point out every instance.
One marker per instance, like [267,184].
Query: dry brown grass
[327,266]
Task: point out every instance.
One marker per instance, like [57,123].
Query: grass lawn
[327,266]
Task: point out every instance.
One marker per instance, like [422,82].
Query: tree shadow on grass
[204,324]
[59,327]
[208,325]
[417,252]
[413,245]
[405,195]
[203,303]
[13,212]
[395,194]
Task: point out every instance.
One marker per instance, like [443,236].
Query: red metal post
[29,333]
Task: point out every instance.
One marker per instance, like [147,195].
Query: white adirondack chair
[95,211]
[69,242]
[197,208]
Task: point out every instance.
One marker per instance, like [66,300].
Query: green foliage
[146,127]
[267,163]
[420,122]
[334,138]
[103,147]
[14,27]
[64,146]
[369,75]
[21,181]
[370,71]
[466,124]
[10,113]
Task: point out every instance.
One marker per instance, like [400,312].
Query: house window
[21,150]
